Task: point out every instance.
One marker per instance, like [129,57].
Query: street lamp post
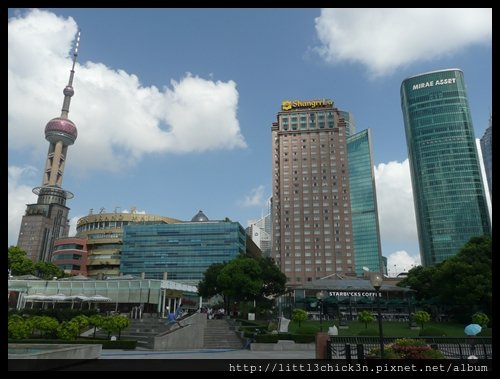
[320,296]
[376,281]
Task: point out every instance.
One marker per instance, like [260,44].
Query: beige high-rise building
[311,211]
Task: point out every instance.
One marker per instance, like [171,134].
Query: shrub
[480,318]
[388,353]
[45,324]
[273,325]
[68,330]
[485,333]
[407,348]
[106,344]
[303,338]
[250,323]
[60,314]
[273,338]
[19,328]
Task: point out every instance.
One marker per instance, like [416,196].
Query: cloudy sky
[174,106]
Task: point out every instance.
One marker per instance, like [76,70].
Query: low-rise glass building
[183,250]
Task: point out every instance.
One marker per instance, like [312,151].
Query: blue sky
[174,106]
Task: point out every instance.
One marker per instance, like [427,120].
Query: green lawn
[390,329]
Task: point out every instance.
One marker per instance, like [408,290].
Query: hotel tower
[311,208]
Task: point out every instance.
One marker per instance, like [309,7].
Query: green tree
[121,323]
[96,321]
[82,321]
[480,318]
[422,280]
[461,284]
[114,324]
[207,287]
[108,325]
[299,315]
[245,278]
[422,317]
[19,263]
[465,280]
[48,270]
[274,281]
[365,317]
[241,278]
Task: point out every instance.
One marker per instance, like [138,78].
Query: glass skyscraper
[450,201]
[486,143]
[183,250]
[365,225]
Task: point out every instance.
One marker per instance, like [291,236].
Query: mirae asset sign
[433,83]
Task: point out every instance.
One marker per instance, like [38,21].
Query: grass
[390,329]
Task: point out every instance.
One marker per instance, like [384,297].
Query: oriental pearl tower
[47,220]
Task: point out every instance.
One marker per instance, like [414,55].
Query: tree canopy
[462,283]
[208,287]
[20,264]
[243,278]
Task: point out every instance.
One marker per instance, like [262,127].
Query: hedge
[273,338]
[106,344]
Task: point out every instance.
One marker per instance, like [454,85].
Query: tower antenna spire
[68,90]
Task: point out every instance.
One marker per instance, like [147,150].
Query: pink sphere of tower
[61,129]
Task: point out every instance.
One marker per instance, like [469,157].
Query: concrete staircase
[143,330]
[220,335]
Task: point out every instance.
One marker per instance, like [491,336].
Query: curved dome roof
[199,217]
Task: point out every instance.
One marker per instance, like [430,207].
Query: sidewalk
[206,354]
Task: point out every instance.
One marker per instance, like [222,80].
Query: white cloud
[401,261]
[485,180]
[396,210]
[385,39]
[255,197]
[118,119]
[18,196]
[72,224]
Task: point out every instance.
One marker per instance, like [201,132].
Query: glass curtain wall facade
[365,225]
[450,201]
[104,233]
[182,250]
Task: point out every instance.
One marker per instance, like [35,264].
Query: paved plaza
[207,354]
